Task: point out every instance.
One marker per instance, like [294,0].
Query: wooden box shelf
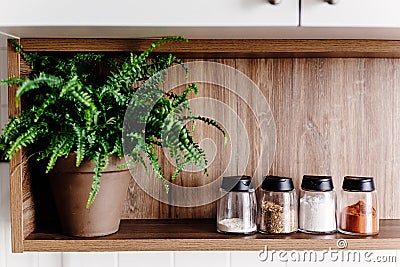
[335,105]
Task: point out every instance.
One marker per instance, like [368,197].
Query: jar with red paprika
[358,206]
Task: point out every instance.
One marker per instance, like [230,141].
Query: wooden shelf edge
[200,235]
[203,245]
[227,48]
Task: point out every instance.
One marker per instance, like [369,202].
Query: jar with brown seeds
[277,206]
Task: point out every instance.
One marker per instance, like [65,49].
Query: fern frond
[192,151]
[135,146]
[101,162]
[72,85]
[12,81]
[24,139]
[80,141]
[60,145]
[180,167]
[31,84]
[212,122]
[155,164]
[49,99]
[76,91]
[153,46]
[31,58]
[184,95]
[12,129]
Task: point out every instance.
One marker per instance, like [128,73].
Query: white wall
[121,259]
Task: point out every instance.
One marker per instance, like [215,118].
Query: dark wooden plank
[233,48]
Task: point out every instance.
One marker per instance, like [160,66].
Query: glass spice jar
[277,206]
[317,211]
[237,209]
[358,206]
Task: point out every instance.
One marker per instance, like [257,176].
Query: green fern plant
[73,110]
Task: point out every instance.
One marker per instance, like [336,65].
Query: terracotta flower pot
[71,187]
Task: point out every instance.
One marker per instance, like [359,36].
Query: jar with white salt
[237,209]
[317,209]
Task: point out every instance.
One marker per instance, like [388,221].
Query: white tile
[333,258]
[345,258]
[314,264]
[21,260]
[384,258]
[4,195]
[98,259]
[255,258]
[4,214]
[312,258]
[3,240]
[398,258]
[142,258]
[282,258]
[50,259]
[201,259]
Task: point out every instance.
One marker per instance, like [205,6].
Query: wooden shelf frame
[197,234]
[200,234]
[227,48]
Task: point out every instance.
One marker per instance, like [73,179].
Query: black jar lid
[236,183]
[317,183]
[361,184]
[277,183]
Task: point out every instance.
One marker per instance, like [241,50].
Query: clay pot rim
[105,171]
[87,166]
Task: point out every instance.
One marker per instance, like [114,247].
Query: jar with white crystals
[317,211]
[237,209]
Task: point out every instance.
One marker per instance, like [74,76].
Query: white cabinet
[151,13]
[226,19]
[351,13]
[244,19]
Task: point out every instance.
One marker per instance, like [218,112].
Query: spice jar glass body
[277,209]
[237,209]
[358,207]
[317,211]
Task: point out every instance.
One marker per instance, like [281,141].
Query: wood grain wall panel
[346,122]
[16,174]
[22,203]
[311,118]
[211,140]
[274,79]
[379,149]
[335,117]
